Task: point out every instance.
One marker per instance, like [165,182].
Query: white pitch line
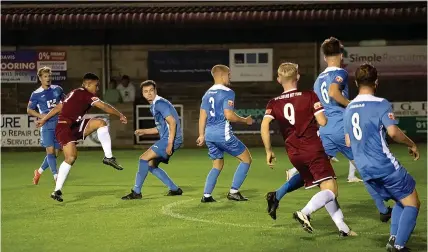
[167,210]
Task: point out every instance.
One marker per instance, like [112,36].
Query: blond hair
[219,69]
[288,71]
[43,70]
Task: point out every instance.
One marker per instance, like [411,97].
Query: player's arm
[51,114]
[172,128]
[390,123]
[31,108]
[229,113]
[321,118]
[318,110]
[265,133]
[34,113]
[150,131]
[398,136]
[347,140]
[109,109]
[335,93]
[231,116]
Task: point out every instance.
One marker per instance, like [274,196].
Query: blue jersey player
[168,127]
[216,113]
[331,87]
[367,120]
[42,100]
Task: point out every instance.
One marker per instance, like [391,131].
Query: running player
[297,114]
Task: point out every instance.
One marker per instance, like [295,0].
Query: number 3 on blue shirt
[212,102]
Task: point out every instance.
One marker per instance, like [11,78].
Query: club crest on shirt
[391,116]
[317,105]
[230,103]
[339,79]
[268,111]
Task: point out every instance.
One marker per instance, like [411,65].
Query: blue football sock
[52,163]
[143,169]
[395,218]
[211,180]
[294,183]
[163,176]
[406,225]
[240,175]
[45,164]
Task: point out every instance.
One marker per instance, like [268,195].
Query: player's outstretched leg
[352,177]
[159,173]
[38,172]
[240,175]
[211,180]
[407,220]
[143,170]
[273,198]
[70,156]
[384,211]
[104,137]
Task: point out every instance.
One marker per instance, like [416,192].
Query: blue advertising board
[21,66]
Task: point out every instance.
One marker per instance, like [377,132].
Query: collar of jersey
[328,69]
[366,97]
[157,98]
[40,89]
[219,86]
[293,89]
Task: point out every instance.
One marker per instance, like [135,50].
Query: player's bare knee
[330,185]
[102,123]
[50,150]
[70,159]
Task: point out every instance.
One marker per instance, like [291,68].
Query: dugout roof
[80,15]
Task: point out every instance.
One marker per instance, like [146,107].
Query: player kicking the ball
[298,114]
[168,127]
[72,127]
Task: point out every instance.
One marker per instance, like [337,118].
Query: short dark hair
[366,75]
[125,77]
[148,83]
[90,76]
[332,47]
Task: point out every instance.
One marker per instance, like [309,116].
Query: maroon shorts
[314,167]
[70,132]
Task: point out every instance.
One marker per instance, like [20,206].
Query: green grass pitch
[94,218]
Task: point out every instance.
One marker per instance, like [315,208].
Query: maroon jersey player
[298,114]
[72,127]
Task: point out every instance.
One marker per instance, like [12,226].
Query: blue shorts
[336,143]
[48,139]
[396,186]
[233,147]
[160,149]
